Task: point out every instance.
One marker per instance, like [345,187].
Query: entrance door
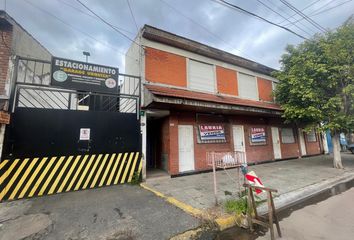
[302,142]
[239,138]
[276,143]
[185,148]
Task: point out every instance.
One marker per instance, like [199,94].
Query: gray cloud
[232,31]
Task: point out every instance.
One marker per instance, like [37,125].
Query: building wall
[226,81]
[313,148]
[171,69]
[5,53]
[166,68]
[254,153]
[265,90]
[165,142]
[25,45]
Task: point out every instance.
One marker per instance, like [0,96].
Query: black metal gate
[62,140]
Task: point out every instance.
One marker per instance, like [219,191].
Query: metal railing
[33,90]
[38,96]
[225,159]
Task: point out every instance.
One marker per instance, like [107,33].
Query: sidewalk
[288,177]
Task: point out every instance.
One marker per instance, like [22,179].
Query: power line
[204,28]
[315,13]
[288,17]
[327,9]
[324,5]
[235,7]
[88,14]
[131,12]
[72,27]
[292,16]
[315,24]
[108,23]
[281,16]
[301,18]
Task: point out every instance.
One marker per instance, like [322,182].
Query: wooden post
[249,209]
[272,217]
[275,215]
[214,175]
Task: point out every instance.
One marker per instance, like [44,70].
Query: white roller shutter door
[201,76]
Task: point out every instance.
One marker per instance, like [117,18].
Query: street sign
[83,76]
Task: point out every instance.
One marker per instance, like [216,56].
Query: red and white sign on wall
[258,135]
[211,132]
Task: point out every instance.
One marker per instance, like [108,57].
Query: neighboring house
[15,41]
[191,90]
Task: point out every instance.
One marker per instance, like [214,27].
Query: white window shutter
[201,76]
[247,86]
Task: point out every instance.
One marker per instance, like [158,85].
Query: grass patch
[237,206]
[136,179]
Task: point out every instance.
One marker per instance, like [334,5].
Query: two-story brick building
[198,99]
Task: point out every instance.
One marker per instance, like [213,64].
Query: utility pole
[87,54]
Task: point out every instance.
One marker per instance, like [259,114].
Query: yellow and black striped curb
[25,178]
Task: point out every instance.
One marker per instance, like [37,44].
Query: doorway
[186,148]
[239,138]
[276,142]
[302,142]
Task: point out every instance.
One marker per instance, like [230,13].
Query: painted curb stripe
[4,191]
[51,190]
[71,169]
[132,171]
[30,177]
[85,172]
[2,164]
[99,171]
[107,170]
[92,171]
[120,168]
[114,169]
[19,184]
[126,168]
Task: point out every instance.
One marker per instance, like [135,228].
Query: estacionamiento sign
[83,76]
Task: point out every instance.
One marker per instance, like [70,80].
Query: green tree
[316,84]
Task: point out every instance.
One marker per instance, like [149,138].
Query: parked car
[351,148]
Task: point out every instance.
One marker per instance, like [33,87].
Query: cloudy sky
[66,28]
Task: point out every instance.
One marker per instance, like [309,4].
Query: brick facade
[167,82]
[313,148]
[164,67]
[254,153]
[5,53]
[265,89]
[226,81]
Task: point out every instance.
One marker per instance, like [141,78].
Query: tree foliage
[316,81]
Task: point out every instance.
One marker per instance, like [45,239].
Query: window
[247,86]
[311,136]
[201,76]
[287,135]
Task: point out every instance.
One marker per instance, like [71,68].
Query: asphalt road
[326,220]
[110,213]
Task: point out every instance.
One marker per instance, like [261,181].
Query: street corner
[211,219]
[184,206]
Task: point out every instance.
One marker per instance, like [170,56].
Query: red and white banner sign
[254,181]
[212,132]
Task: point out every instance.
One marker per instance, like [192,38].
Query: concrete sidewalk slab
[286,176]
[116,212]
